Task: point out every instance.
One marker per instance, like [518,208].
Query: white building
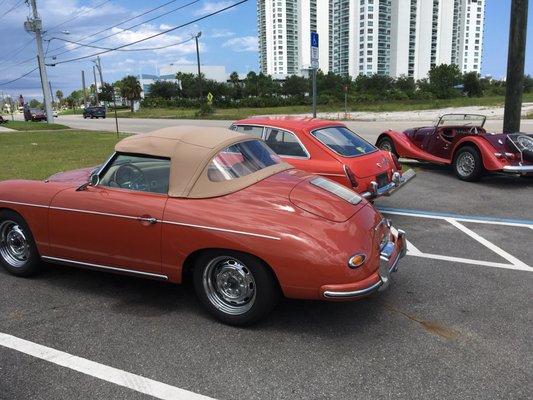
[389,37]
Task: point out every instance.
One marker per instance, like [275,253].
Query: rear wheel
[468,164]
[236,288]
[18,252]
[385,143]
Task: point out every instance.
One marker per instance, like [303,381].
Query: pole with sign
[314,66]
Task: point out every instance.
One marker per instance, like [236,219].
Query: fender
[31,199]
[490,161]
[406,149]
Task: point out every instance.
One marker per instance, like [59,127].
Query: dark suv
[34,114]
[94,112]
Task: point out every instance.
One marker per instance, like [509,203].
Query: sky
[229,39]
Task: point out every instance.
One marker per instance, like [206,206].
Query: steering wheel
[129,176]
[474,130]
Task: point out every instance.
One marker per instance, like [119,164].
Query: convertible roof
[191,149]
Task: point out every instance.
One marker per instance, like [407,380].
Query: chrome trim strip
[518,168]
[104,267]
[96,213]
[327,174]
[221,230]
[23,204]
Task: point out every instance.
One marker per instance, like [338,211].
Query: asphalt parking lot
[455,323]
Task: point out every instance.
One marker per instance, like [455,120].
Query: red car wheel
[385,143]
[468,164]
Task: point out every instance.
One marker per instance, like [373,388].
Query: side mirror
[93,181]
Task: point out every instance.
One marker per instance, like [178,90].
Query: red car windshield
[343,141]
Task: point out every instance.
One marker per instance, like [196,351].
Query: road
[455,323]
[368,129]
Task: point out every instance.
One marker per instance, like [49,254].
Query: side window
[284,143]
[139,173]
[255,131]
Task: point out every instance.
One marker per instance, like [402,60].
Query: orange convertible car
[208,201]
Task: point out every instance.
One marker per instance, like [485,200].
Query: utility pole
[198,61]
[51,93]
[98,64]
[314,92]
[515,66]
[84,89]
[35,24]
[95,86]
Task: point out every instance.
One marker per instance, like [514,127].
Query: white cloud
[221,33]
[241,44]
[212,6]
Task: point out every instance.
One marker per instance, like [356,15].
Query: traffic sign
[314,50]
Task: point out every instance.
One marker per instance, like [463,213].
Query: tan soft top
[191,149]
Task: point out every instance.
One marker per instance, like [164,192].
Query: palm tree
[59,96]
[130,89]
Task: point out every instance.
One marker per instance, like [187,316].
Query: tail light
[350,175]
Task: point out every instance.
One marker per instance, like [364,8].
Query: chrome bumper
[397,182]
[387,265]
[518,169]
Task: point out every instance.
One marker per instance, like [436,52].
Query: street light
[198,61]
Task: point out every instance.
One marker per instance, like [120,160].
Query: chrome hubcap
[386,146]
[466,164]
[229,285]
[14,248]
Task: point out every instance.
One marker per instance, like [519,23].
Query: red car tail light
[350,175]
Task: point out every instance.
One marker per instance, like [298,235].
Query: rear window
[241,159]
[256,131]
[343,141]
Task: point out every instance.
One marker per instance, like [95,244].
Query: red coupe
[461,141]
[329,149]
[209,203]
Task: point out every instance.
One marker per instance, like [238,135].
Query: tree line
[260,90]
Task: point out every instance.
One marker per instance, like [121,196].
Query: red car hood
[77,176]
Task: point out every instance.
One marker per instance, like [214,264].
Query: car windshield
[241,159]
[343,141]
[461,119]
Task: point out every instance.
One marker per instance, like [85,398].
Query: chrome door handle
[148,220]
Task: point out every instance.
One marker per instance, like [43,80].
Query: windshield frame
[467,122]
[337,153]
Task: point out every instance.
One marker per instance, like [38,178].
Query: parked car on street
[34,114]
[459,140]
[329,149]
[209,203]
[94,112]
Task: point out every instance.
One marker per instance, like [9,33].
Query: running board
[97,267]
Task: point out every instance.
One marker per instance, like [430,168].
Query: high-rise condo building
[388,37]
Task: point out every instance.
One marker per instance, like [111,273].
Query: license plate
[382,179]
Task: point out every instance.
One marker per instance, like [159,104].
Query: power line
[11,9]
[109,48]
[128,28]
[78,15]
[20,77]
[153,36]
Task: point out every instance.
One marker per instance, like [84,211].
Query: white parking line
[515,263]
[502,253]
[122,378]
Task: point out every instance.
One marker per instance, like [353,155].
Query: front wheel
[236,288]
[18,252]
[385,143]
[468,164]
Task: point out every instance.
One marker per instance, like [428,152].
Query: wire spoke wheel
[229,285]
[14,245]
[466,164]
